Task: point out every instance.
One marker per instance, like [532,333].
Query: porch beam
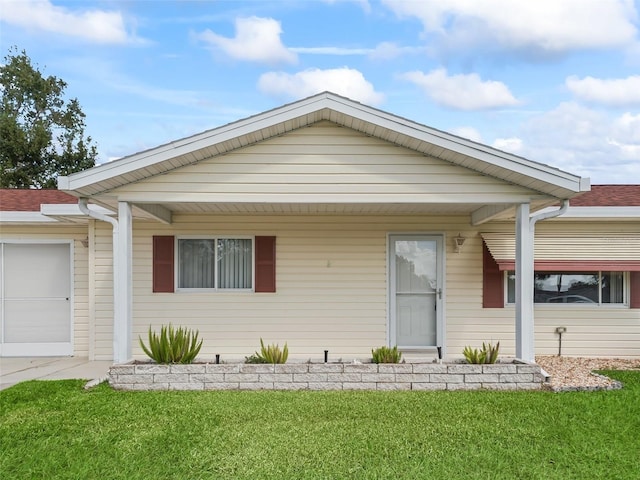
[123,279]
[525,344]
[158,212]
[488,213]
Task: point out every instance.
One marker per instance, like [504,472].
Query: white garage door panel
[43,321]
[36,299]
[36,271]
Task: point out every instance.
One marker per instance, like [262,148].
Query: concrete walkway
[19,369]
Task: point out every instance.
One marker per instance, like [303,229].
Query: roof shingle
[25,200]
[609,196]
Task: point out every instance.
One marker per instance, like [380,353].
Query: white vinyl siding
[332,292]
[323,163]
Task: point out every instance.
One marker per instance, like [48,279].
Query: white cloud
[541,26]
[389,51]
[363,3]
[340,51]
[257,40]
[97,26]
[513,144]
[343,81]
[625,134]
[462,92]
[613,92]
[586,142]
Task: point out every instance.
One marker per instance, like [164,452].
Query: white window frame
[625,292]
[215,238]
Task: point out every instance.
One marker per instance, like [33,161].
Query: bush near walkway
[58,430]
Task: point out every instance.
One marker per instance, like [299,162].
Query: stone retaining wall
[326,376]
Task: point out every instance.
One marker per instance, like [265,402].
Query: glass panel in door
[414,261]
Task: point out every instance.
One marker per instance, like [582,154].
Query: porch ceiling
[139,213]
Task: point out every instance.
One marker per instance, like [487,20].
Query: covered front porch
[335,185]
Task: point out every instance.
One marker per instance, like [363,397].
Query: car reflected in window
[570,299]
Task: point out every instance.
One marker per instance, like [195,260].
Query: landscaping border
[327,376]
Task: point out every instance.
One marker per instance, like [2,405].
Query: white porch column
[525,348]
[122,286]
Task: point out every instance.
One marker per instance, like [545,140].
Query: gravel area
[576,373]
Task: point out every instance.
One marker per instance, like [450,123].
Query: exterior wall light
[459,242]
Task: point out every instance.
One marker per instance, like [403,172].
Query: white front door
[415,291]
[36,299]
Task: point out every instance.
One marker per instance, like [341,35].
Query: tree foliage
[41,133]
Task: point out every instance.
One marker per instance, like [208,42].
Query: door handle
[440,293]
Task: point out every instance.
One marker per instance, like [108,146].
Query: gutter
[84,208]
[546,215]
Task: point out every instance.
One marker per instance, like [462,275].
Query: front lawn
[58,430]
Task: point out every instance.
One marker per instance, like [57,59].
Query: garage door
[36,299]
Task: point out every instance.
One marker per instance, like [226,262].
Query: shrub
[172,345]
[386,355]
[488,354]
[269,354]
[255,358]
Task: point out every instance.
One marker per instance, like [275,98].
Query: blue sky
[554,81]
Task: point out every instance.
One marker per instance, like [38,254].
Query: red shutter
[492,281]
[163,270]
[634,290]
[265,264]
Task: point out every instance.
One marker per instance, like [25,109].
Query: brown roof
[609,196]
[25,200]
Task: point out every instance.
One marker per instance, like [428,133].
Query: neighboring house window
[215,263]
[589,288]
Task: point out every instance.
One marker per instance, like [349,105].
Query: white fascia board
[598,212]
[25,217]
[70,210]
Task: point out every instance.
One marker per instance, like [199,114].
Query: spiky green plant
[269,354]
[255,358]
[386,355]
[488,354]
[492,352]
[172,345]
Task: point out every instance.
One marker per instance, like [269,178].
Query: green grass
[58,430]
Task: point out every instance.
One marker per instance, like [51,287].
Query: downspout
[547,215]
[525,271]
[84,208]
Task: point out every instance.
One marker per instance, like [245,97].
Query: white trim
[440,295]
[42,349]
[51,213]
[598,212]
[25,217]
[525,339]
[70,210]
[123,286]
